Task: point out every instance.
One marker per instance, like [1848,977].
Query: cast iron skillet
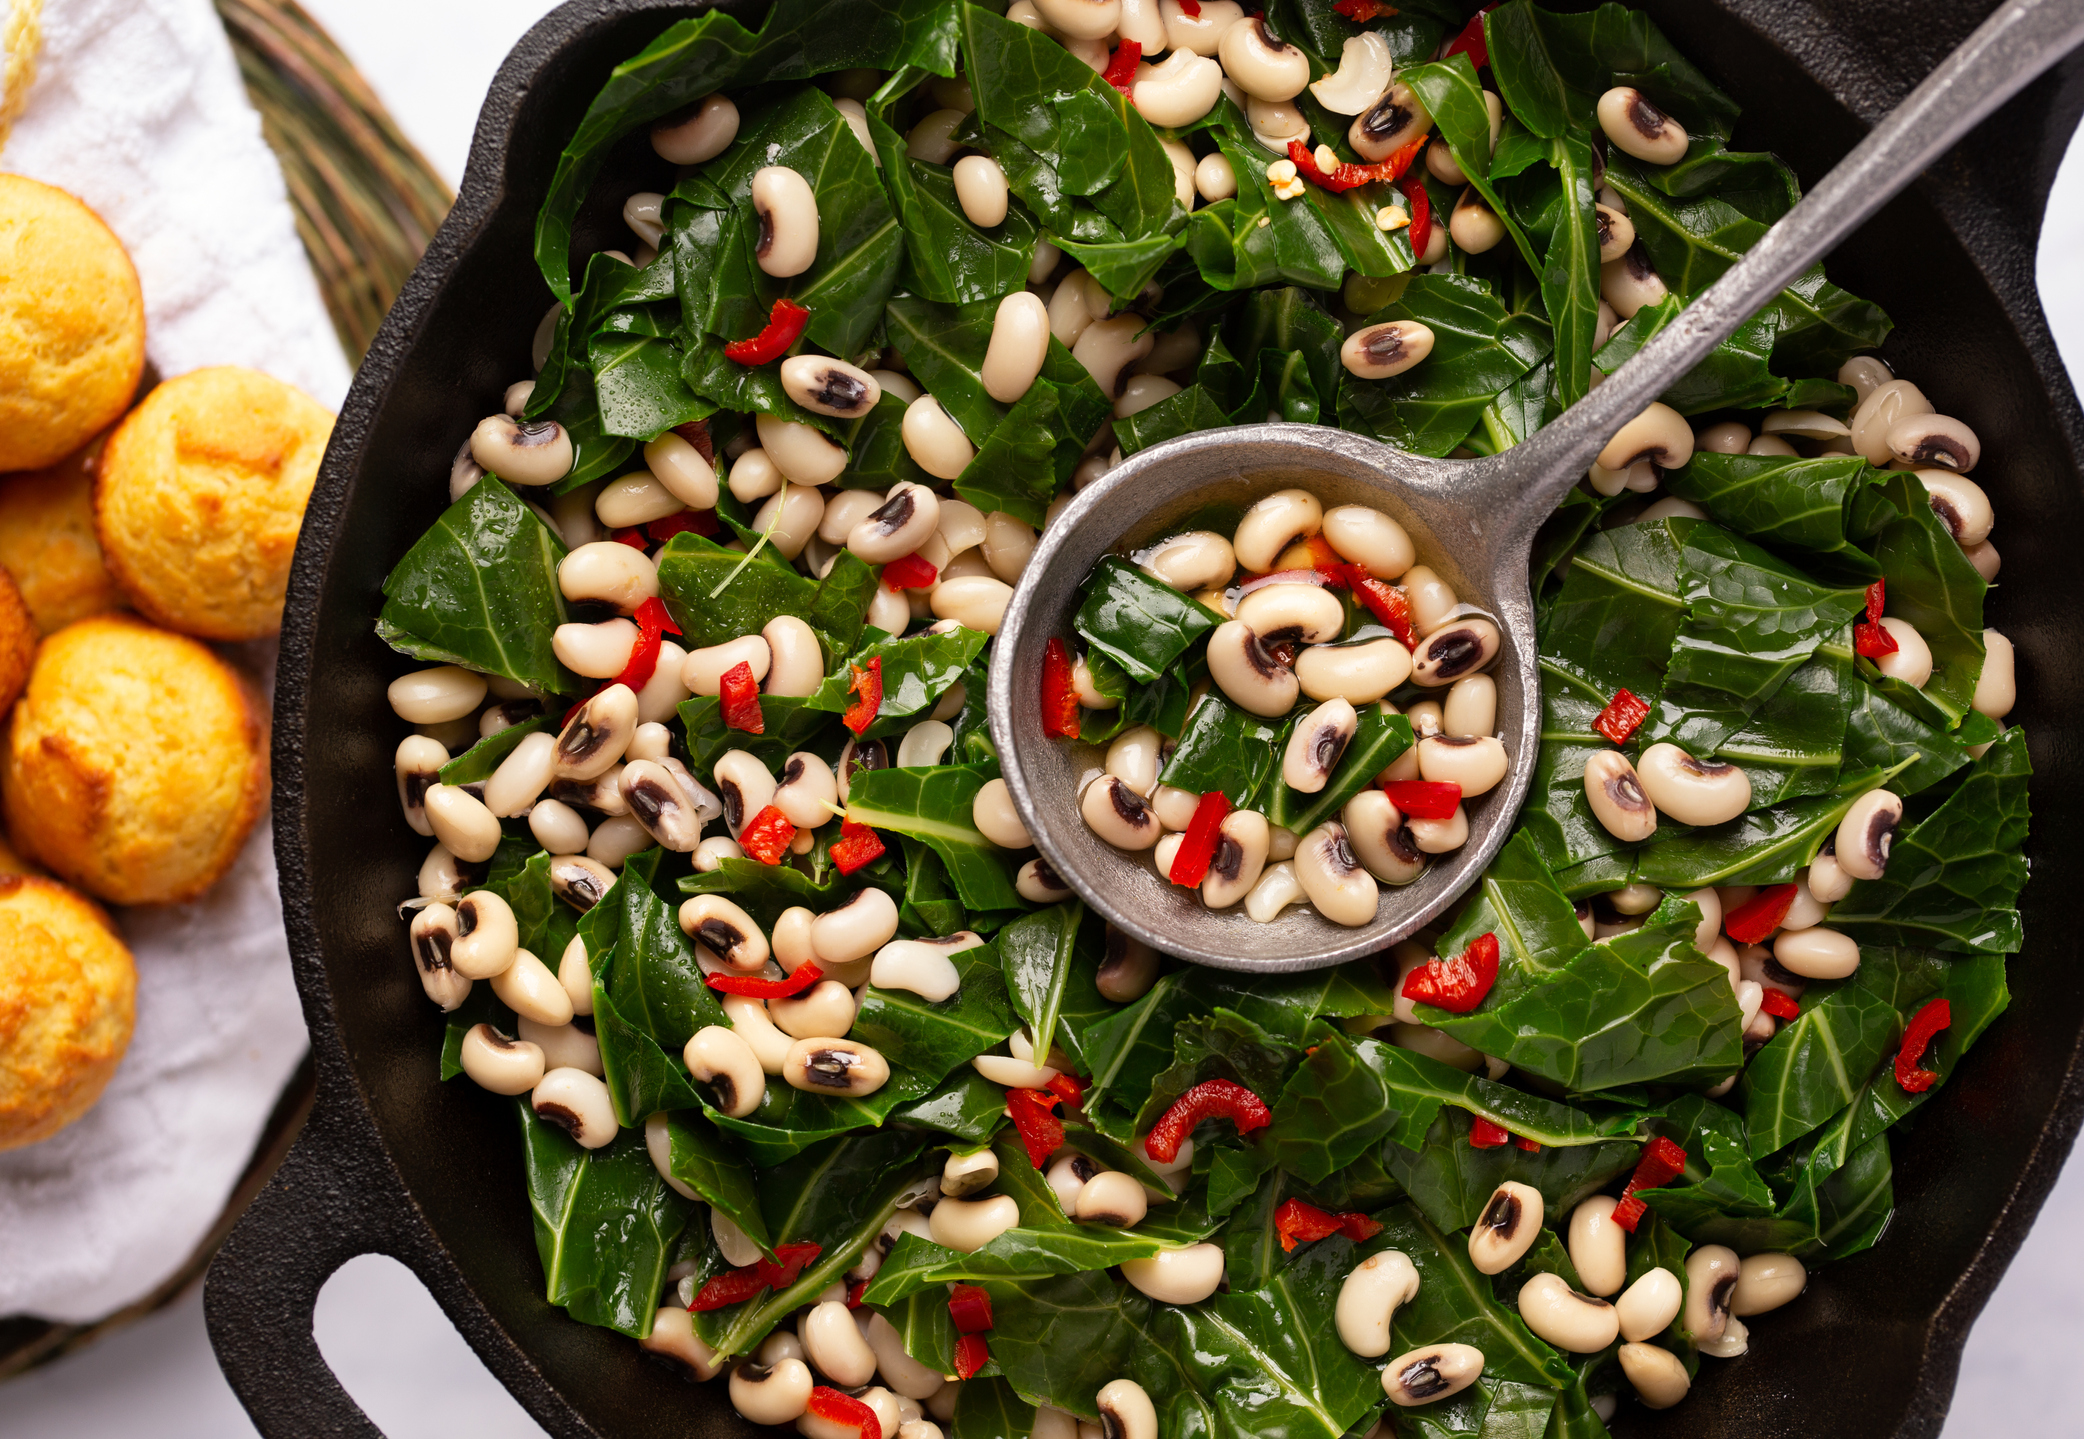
[394,1162]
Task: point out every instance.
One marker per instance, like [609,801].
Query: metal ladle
[1473,521]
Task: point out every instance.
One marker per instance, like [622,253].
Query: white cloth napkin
[138,109]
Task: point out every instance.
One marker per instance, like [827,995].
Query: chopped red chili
[867,689]
[1456,985]
[1190,8]
[696,433]
[972,1353]
[1471,41]
[1934,1017]
[752,985]
[970,1308]
[1423,798]
[856,846]
[1325,558]
[911,572]
[1420,205]
[731,1287]
[1034,1115]
[1877,600]
[1070,1089]
[1121,70]
[854,1292]
[766,836]
[687,522]
[1532,1146]
[1485,1135]
[1757,917]
[1780,1004]
[1211,1099]
[1300,1223]
[652,622]
[1871,641]
[1190,864]
[630,535]
[1662,1161]
[740,694]
[1360,12]
[785,322]
[837,1408]
[1346,175]
[1621,716]
[1629,1212]
[1388,603]
[1059,695]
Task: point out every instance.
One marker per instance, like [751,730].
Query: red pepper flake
[1661,1163]
[1347,176]
[1190,8]
[652,623]
[1485,1135]
[1456,985]
[1780,1004]
[1034,1115]
[1757,917]
[1871,641]
[1190,864]
[1424,798]
[1059,695]
[785,322]
[1471,41]
[856,846]
[1532,1146]
[1621,716]
[1121,70]
[1211,1099]
[1300,1223]
[740,694]
[1929,1021]
[755,987]
[854,1292]
[971,1354]
[1877,598]
[1070,1089]
[738,1285]
[687,522]
[1389,604]
[1360,12]
[970,1308]
[911,572]
[837,1408]
[766,836]
[630,535]
[867,689]
[1421,206]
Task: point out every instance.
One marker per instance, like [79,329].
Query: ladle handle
[2005,54]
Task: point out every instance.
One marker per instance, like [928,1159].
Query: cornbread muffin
[72,325]
[67,996]
[13,863]
[200,494]
[17,641]
[136,762]
[47,542]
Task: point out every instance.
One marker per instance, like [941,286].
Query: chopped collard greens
[827,1080]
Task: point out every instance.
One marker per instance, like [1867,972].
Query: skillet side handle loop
[319,1211]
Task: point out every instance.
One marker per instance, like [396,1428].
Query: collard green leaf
[546,923]
[1225,1045]
[932,1038]
[1794,743]
[1454,1305]
[1377,741]
[1450,1181]
[605,1224]
[1193,408]
[637,382]
[1882,732]
[1040,954]
[934,805]
[652,978]
[966,1105]
[990,1408]
[1453,96]
[1225,748]
[1552,68]
[1138,621]
[948,259]
[1785,503]
[1029,456]
[916,670]
[1620,609]
[642,1078]
[481,759]
[1766,846]
[479,590]
[707,1163]
[1478,349]
[1570,269]
[716,596]
[1933,586]
[1519,901]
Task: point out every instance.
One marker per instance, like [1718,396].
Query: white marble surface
[399,1356]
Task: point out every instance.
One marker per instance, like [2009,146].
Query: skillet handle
[320,1210]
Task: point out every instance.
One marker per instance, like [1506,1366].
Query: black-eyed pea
[1195,560]
[1476,763]
[1178,90]
[787,210]
[1202,34]
[675,463]
[1630,283]
[575,973]
[1730,437]
[1940,441]
[1214,179]
[980,188]
[922,966]
[966,1174]
[1081,19]
[1866,834]
[1112,1198]
[1019,335]
[436,695]
[1573,1322]
[1359,671]
[1264,66]
[1473,225]
[418,767]
[1376,352]
[1128,969]
[1116,813]
[1615,792]
[744,785]
[1361,78]
[615,840]
[1242,841]
[995,817]
[1865,374]
[1507,1227]
[1649,1305]
[1272,524]
[577,1103]
[1277,889]
[673,1337]
[835,1346]
[433,937]
[722,1059]
[1369,1298]
[595,651]
[790,518]
[1616,232]
[1069,314]
[841,1067]
[728,931]
[1434,1372]
[1658,1376]
[1140,392]
[827,1007]
[700,134]
[1366,537]
[1433,601]
[1471,707]
[1439,836]
[1598,1247]
[770,1391]
[1712,1271]
[855,930]
[1997,687]
[657,801]
[1817,953]
[1008,544]
[828,386]
[524,452]
[1108,347]
[1693,791]
[1659,434]
[487,936]
[1333,879]
[802,454]
[1248,672]
[1380,838]
[967,1225]
[1388,125]
[612,573]
[1639,128]
[1316,745]
[924,744]
[1911,660]
[975,601]
[1961,504]
[1876,416]
[499,1063]
[754,476]
[529,989]
[1459,647]
[1765,1282]
[1037,882]
[1186,1275]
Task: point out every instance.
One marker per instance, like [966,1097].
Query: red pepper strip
[1620,717]
[1190,8]
[1360,12]
[789,1260]
[1358,1227]
[867,690]
[1757,917]
[696,433]
[1485,1135]
[1872,641]
[1877,597]
[1121,70]
[1389,604]
[909,573]
[971,1351]
[1471,41]
[1456,985]
[856,846]
[753,986]
[1034,1115]
[1662,1162]
[1211,1099]
[631,536]
[1780,1004]
[740,693]
[854,1292]
[1300,1223]
[1069,1088]
[1929,1021]
[970,1308]
[766,836]
[1532,1146]
[687,522]
[1190,864]
[837,1408]
[1421,206]
[1346,175]
[732,1287]
[785,321]
[652,622]
[1326,559]
[1059,696]
[1424,798]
